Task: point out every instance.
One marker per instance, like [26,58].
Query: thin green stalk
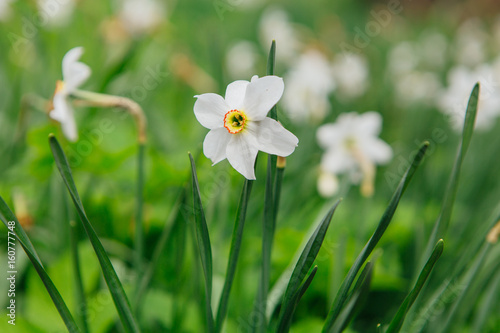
[342,294]
[11,222]
[399,318]
[204,247]
[114,285]
[139,229]
[268,222]
[79,290]
[233,254]
[146,277]
[467,282]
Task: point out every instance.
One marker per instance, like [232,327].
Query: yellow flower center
[234,121]
[59,86]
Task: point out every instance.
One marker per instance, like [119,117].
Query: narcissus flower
[75,73]
[353,147]
[239,126]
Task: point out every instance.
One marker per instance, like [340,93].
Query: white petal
[210,109]
[376,150]
[337,161]
[241,153]
[75,73]
[369,123]
[235,94]
[214,146]
[272,137]
[63,113]
[328,184]
[261,95]
[331,135]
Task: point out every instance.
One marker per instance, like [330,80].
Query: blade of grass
[157,252]
[233,254]
[79,291]
[466,283]
[284,326]
[115,287]
[304,263]
[139,230]
[7,216]
[358,296]
[341,297]
[204,247]
[268,222]
[488,304]
[397,321]
[443,221]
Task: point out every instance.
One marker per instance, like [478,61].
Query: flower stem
[139,230]
[95,99]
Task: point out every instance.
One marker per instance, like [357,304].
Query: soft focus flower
[328,184]
[241,59]
[309,83]
[238,124]
[470,43]
[454,99]
[75,73]
[353,147]
[56,13]
[351,75]
[5,10]
[141,16]
[417,87]
[274,24]
[403,58]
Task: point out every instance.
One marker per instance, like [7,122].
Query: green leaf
[115,287]
[7,216]
[158,251]
[139,232]
[269,220]
[342,294]
[284,325]
[233,254]
[358,296]
[203,245]
[303,265]
[443,221]
[397,321]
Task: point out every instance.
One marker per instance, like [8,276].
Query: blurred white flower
[75,73]
[56,13]
[351,75]
[470,43]
[433,48]
[141,16]
[353,147]
[238,124]
[417,87]
[5,10]
[461,80]
[241,59]
[309,83]
[403,58]
[328,184]
[274,24]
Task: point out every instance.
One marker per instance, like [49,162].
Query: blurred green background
[185,50]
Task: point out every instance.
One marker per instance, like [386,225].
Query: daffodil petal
[337,161]
[377,150]
[215,144]
[261,95]
[210,109]
[369,123]
[272,137]
[241,153]
[329,135]
[75,73]
[63,113]
[235,94]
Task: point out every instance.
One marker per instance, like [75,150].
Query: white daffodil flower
[453,101]
[238,124]
[352,146]
[75,73]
